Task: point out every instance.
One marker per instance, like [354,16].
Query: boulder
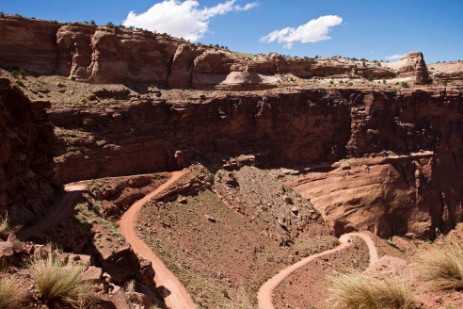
[92,274]
[122,265]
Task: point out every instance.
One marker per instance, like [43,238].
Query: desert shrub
[61,283]
[405,84]
[5,227]
[442,267]
[360,291]
[12,296]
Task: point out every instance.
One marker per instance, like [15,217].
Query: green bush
[405,84]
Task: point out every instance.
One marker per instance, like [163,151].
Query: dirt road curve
[264,296]
[179,297]
[58,213]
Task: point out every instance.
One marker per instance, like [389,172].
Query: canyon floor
[224,233]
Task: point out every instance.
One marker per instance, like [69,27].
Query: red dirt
[179,297]
[264,295]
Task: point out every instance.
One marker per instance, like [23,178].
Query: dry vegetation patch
[61,283]
[12,295]
[361,291]
[442,267]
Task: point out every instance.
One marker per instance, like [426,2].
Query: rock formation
[414,65]
[109,54]
[26,156]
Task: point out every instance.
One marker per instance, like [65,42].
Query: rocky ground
[91,237]
[223,252]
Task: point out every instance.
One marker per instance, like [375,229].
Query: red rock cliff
[311,127]
[115,54]
[26,156]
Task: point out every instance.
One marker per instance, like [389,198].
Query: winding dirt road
[264,296]
[178,298]
[63,209]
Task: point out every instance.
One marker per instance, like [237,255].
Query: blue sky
[372,29]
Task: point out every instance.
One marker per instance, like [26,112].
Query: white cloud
[313,31]
[247,6]
[182,18]
[395,56]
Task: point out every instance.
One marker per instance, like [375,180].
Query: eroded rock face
[26,156]
[29,44]
[414,65]
[392,195]
[114,54]
[304,127]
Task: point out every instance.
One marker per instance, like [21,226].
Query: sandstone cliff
[26,156]
[108,54]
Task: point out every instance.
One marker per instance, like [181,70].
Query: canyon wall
[416,134]
[109,54]
[26,156]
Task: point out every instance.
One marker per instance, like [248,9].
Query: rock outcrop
[26,156]
[109,54]
[413,65]
[447,70]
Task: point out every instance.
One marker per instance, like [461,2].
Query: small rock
[345,166]
[6,249]
[288,200]
[295,210]
[210,218]
[92,274]
[82,258]
[282,222]
[182,200]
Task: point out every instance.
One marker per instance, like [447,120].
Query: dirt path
[178,298]
[58,213]
[264,296]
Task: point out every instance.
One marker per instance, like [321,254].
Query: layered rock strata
[417,133]
[109,54]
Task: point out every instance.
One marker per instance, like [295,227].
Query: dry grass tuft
[60,283]
[442,267]
[360,291]
[5,227]
[12,296]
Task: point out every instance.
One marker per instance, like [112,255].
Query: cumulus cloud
[395,56]
[313,31]
[182,18]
